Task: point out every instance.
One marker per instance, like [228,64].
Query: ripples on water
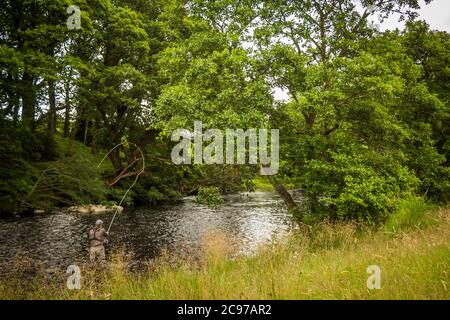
[59,239]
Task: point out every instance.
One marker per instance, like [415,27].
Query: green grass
[263,184]
[328,263]
[411,212]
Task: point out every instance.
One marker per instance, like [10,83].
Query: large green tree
[345,139]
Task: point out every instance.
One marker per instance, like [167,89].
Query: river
[59,239]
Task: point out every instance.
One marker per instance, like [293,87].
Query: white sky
[436,14]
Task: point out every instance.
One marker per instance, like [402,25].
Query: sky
[436,14]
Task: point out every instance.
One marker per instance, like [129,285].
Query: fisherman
[98,240]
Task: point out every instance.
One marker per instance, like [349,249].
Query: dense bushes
[356,186]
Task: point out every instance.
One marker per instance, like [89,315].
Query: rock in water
[95,209]
[79,209]
[118,208]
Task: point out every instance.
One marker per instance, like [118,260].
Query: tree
[115,81]
[346,152]
[210,78]
[430,51]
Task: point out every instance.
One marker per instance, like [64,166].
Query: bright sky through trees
[436,14]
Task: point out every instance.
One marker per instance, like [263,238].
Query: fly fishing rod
[134,182]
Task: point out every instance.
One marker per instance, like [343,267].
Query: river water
[59,239]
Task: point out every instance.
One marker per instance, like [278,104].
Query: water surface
[59,239]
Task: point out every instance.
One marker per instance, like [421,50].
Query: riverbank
[329,263]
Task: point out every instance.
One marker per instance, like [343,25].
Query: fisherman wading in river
[98,240]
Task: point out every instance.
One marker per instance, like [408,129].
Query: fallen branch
[134,182]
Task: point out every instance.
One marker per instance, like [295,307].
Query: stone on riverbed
[95,209]
[39,211]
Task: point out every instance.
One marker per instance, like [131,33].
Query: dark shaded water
[58,240]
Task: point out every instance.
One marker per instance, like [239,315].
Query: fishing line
[135,179]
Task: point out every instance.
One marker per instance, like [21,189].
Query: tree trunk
[49,144]
[287,198]
[16,112]
[28,101]
[51,123]
[115,160]
[284,194]
[79,129]
[67,110]
[86,127]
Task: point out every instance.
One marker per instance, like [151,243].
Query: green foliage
[411,212]
[209,196]
[360,185]
[68,181]
[19,149]
[30,184]
[72,179]
[366,124]
[363,128]
[16,174]
[154,195]
[114,195]
[260,184]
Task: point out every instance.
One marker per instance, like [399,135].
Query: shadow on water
[59,239]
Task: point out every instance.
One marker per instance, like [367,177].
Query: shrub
[209,196]
[362,186]
[411,212]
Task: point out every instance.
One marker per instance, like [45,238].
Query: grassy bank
[327,262]
[263,184]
